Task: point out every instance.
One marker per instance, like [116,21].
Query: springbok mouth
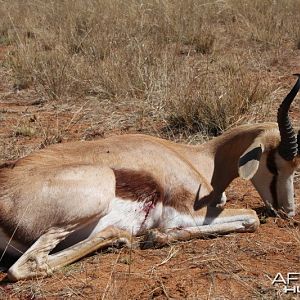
[271,212]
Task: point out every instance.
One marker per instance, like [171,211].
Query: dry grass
[198,65]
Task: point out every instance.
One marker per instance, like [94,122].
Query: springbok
[72,199]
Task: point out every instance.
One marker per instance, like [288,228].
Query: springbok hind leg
[232,220]
[36,261]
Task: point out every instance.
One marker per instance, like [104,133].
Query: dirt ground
[235,266]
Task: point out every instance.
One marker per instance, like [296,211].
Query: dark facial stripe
[271,165]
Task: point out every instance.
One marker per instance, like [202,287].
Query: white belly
[133,216]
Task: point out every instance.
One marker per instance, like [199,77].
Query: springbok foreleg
[219,200]
[36,261]
[222,201]
[244,222]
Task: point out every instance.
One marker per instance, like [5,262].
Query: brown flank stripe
[142,186]
[137,186]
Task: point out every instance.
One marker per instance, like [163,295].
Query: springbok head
[271,160]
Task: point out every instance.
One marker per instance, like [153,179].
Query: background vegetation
[190,65]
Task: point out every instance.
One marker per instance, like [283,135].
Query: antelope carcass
[78,197]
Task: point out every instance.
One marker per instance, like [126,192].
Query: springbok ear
[249,161]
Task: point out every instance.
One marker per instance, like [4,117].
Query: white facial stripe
[285,193]
[285,185]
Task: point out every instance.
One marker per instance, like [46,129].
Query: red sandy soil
[235,266]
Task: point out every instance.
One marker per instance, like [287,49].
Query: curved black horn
[288,147]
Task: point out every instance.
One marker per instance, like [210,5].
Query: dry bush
[214,100]
[184,61]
